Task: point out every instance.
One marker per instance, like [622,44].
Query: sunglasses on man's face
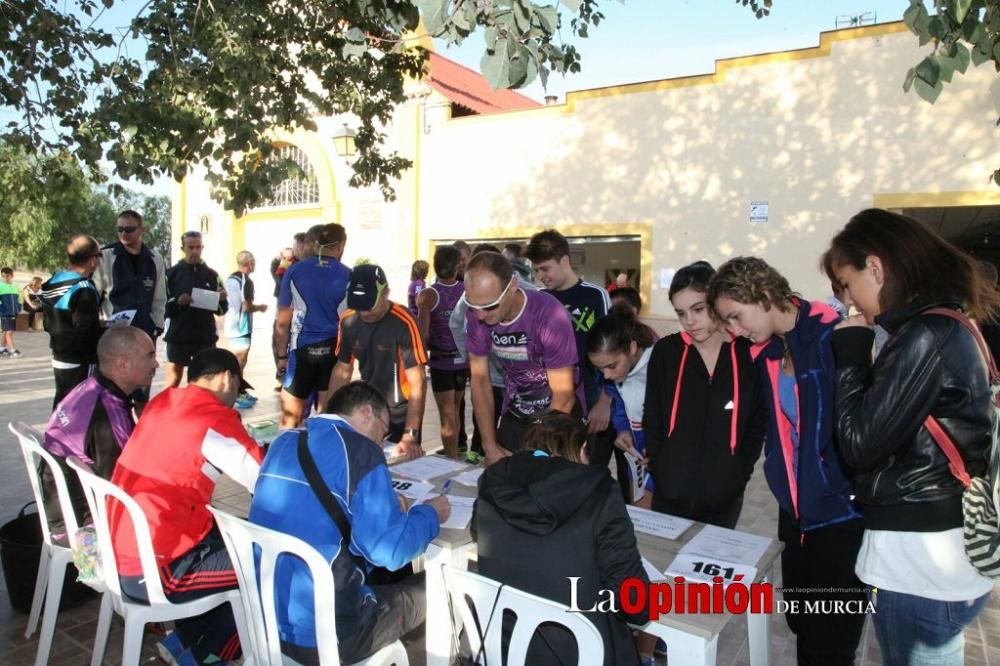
[490,307]
[126,230]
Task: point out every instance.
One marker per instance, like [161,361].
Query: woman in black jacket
[543,515]
[704,417]
[896,273]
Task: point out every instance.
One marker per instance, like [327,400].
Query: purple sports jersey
[539,338]
[440,342]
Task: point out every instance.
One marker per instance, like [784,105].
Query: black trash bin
[20,551]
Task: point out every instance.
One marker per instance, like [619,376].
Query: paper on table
[203,299]
[415,490]
[652,572]
[695,566]
[470,477]
[658,524]
[459,518]
[427,467]
[459,500]
[720,544]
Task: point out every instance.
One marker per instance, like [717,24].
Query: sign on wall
[758,212]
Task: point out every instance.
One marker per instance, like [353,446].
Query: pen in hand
[444,488]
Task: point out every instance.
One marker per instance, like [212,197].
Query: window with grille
[298,190]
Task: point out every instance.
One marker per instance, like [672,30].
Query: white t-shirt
[925,564]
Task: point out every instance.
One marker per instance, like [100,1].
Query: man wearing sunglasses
[532,337]
[131,280]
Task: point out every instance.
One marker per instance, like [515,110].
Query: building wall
[818,134]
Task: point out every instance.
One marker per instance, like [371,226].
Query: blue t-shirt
[314,289]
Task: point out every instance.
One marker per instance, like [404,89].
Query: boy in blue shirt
[9,304]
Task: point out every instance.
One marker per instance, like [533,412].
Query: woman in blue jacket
[818,521]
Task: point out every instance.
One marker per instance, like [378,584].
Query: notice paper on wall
[660,525]
[203,299]
[428,467]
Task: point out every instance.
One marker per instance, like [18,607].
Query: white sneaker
[15,354]
[4,353]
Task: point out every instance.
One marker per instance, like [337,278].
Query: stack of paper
[461,512]
[428,467]
[469,477]
[658,524]
[716,551]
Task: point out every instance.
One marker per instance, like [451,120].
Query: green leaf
[495,65]
[915,17]
[435,14]
[908,81]
[979,56]
[548,18]
[961,58]
[928,92]
[522,16]
[929,71]
[959,9]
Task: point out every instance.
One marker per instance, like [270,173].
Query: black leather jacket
[931,365]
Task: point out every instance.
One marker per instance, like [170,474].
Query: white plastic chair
[242,538]
[481,603]
[135,614]
[55,556]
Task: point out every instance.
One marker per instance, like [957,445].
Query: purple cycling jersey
[440,342]
[538,339]
[67,429]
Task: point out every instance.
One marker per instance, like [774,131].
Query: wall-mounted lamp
[343,141]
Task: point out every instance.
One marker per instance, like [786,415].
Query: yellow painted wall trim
[936,199]
[283,213]
[641,228]
[722,67]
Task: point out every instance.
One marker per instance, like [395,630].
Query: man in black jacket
[192,328]
[72,316]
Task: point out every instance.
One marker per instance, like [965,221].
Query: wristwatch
[412,432]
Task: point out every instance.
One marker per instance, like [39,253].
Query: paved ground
[27,396]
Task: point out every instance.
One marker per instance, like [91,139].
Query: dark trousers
[68,378]
[726,517]
[822,558]
[203,570]
[477,438]
[402,607]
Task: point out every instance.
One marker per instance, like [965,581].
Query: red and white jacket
[185,440]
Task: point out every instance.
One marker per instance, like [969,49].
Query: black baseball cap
[367,283]
[213,361]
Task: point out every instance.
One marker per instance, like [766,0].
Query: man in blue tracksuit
[352,470]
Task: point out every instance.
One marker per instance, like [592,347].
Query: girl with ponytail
[704,416]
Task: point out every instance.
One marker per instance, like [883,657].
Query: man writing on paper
[192,326]
[338,457]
